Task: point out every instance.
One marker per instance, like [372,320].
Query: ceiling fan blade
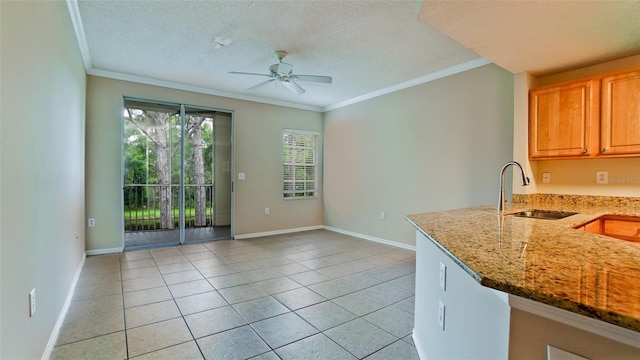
[293,86]
[248,73]
[314,78]
[264,83]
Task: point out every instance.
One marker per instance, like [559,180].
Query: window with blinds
[300,164]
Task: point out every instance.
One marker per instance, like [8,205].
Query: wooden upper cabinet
[561,119]
[620,120]
[594,117]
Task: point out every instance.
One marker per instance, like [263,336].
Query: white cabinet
[476,318]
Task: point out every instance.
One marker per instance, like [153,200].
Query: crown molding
[413,82]
[76,20]
[197,89]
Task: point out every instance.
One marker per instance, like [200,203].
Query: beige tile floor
[308,295]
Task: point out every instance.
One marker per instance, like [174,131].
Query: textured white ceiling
[366,46]
[540,37]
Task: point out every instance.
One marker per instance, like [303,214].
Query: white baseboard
[371,238]
[104,251]
[421,354]
[65,308]
[277,232]
[281,232]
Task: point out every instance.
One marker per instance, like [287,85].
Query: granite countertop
[546,260]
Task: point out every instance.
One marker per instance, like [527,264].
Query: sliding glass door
[176,173]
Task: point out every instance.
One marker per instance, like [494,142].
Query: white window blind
[300,164]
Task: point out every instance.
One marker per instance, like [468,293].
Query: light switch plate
[32,302]
[241,176]
[443,276]
[441,314]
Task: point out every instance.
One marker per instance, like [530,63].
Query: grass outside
[149,219]
[155,213]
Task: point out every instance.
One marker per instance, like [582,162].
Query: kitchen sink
[543,214]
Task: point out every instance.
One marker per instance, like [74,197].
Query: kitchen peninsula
[494,286]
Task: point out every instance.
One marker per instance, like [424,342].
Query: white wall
[435,146]
[42,167]
[257,152]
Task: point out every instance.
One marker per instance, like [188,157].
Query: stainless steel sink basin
[543,214]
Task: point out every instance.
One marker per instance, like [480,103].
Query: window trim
[315,189]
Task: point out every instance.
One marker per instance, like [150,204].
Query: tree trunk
[198,164]
[163,168]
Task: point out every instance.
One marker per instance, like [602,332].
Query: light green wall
[42,167]
[257,152]
[439,145]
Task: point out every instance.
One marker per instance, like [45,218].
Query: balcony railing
[157,207]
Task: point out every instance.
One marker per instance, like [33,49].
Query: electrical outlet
[381,215]
[546,178]
[266,211]
[443,276]
[91,222]
[441,314]
[602,177]
[32,302]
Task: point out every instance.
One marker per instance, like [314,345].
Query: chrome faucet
[524,180]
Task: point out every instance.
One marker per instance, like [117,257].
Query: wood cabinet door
[561,118]
[620,291]
[622,229]
[620,119]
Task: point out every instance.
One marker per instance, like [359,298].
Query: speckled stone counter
[546,260]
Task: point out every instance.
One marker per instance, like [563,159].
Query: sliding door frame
[181,195]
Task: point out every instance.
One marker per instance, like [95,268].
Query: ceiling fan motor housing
[282,69]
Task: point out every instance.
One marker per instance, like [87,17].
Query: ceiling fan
[283,73]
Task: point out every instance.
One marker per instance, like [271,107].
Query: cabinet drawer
[627,229]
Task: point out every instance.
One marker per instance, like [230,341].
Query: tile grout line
[124,312]
[180,310]
[273,252]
